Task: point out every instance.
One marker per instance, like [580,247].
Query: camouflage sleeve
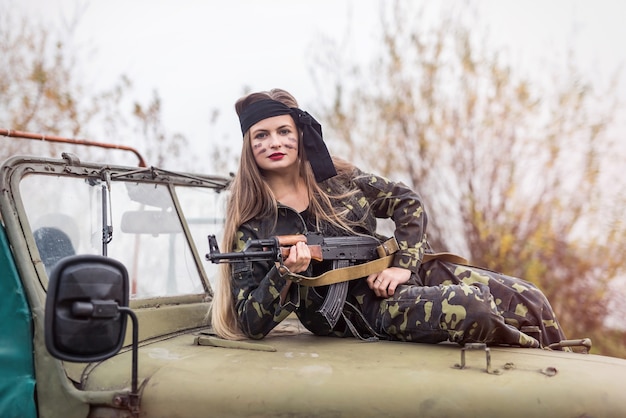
[256,288]
[397,201]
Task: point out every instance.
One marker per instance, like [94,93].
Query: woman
[287,183]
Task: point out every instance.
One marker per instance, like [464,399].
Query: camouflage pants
[467,304]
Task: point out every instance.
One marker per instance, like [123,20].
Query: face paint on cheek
[258,149]
[292,144]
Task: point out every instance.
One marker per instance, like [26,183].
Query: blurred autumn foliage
[515,171]
[43,90]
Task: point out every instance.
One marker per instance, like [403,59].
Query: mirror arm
[110,309]
[135,361]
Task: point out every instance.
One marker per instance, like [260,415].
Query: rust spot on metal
[53,138]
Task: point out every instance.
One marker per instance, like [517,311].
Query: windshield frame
[16,220]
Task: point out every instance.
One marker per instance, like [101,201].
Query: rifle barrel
[242,256]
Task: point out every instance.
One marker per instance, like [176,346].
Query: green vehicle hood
[305,375]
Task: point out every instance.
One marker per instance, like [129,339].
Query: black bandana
[316,150]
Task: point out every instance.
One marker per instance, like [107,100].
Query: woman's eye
[285,131]
[260,135]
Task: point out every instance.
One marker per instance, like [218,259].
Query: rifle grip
[316,252]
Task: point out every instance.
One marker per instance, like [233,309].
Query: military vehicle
[104,294]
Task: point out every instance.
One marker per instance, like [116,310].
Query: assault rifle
[351,249]
[342,251]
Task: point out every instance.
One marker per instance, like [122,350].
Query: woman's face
[274,144]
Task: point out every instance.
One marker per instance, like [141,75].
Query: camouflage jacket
[257,285]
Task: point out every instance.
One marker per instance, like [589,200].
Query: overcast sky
[199,54]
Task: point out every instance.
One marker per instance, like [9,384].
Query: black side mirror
[85,317]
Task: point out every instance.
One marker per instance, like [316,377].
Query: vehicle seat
[53,245]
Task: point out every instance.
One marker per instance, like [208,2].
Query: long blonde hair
[251,198]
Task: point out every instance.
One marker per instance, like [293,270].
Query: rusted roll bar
[54,138]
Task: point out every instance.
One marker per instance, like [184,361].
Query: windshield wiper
[107,230]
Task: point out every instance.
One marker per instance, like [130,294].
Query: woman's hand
[298,261]
[299,258]
[384,284]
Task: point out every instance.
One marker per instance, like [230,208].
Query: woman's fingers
[299,258]
[384,284]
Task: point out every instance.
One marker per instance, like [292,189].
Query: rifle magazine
[333,303]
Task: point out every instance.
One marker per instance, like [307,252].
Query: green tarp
[17,381]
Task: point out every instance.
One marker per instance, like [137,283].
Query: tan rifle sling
[386,253]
